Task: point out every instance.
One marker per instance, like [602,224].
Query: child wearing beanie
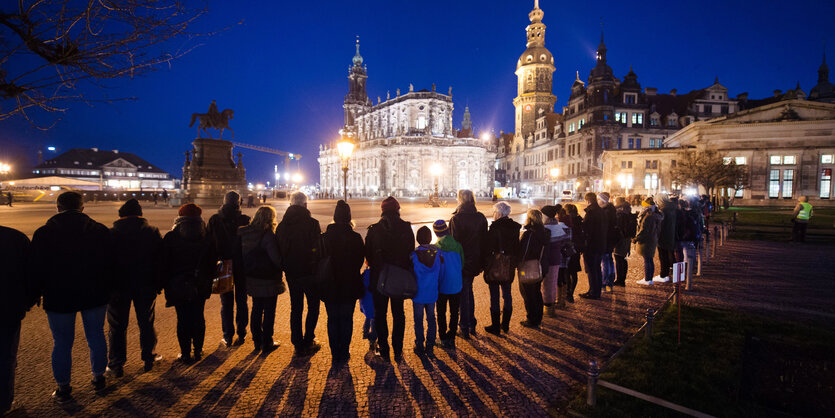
[450,282]
[427,267]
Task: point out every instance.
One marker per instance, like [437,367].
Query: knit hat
[440,227]
[549,211]
[648,202]
[232,198]
[390,204]
[604,196]
[130,208]
[424,235]
[342,213]
[190,209]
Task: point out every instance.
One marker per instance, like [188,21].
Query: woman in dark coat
[188,264]
[649,223]
[502,238]
[534,244]
[257,252]
[347,252]
[575,221]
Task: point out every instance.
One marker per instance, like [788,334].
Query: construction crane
[287,155]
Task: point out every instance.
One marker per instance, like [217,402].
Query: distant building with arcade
[111,170]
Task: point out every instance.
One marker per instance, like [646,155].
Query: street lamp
[555,172]
[345,147]
[435,170]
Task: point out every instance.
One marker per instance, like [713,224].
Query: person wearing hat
[188,266]
[347,252]
[74,273]
[554,289]
[138,249]
[646,239]
[389,241]
[223,230]
[450,284]
[469,227]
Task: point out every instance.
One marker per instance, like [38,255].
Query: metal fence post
[591,386]
[716,238]
[650,318]
[707,245]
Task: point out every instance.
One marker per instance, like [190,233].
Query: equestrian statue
[213,119]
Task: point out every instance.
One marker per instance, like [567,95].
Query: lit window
[671,122]
[774,184]
[637,118]
[652,142]
[775,160]
[826,159]
[726,160]
[647,181]
[421,122]
[788,159]
[739,160]
[826,183]
[788,177]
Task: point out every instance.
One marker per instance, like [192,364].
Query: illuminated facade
[111,169]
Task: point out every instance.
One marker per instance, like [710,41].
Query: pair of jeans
[340,328]
[621,267]
[507,309]
[62,326]
[118,313]
[299,291]
[532,295]
[398,317]
[262,320]
[608,265]
[649,268]
[453,301]
[431,329]
[594,273]
[549,285]
[666,258]
[191,326]
[468,321]
[229,301]
[9,343]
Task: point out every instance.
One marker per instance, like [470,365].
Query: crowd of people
[84,267]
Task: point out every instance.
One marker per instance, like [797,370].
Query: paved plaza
[525,373]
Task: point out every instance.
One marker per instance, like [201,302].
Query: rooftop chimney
[651,91]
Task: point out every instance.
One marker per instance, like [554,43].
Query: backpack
[451,280]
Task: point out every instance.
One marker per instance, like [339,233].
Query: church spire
[601,49]
[536,30]
[357,57]
[467,123]
[823,71]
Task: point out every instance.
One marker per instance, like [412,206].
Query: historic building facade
[398,141]
[113,170]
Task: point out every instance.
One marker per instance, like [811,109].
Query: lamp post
[555,172]
[435,170]
[345,148]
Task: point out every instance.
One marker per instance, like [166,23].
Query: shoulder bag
[223,281]
[530,271]
[501,266]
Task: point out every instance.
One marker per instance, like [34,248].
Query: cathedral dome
[535,55]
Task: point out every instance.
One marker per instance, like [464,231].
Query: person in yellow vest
[801,216]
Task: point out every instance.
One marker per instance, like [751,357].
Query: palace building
[398,140]
[112,170]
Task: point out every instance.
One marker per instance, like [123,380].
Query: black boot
[495,327]
[506,320]
[572,283]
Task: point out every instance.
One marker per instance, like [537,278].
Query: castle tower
[467,123]
[356,101]
[534,72]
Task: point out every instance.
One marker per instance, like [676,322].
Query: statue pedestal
[212,172]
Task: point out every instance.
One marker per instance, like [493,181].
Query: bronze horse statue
[219,122]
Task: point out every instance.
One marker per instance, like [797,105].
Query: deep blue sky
[283,70]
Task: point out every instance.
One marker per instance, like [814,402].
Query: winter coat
[504,236]
[579,238]
[298,242]
[138,249]
[612,232]
[17,295]
[427,273]
[347,253]
[667,229]
[560,234]
[624,244]
[223,231]
[189,258]
[389,241]
[74,263]
[249,238]
[451,279]
[649,222]
[595,227]
[535,244]
[469,227]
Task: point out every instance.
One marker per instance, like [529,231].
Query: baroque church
[399,140]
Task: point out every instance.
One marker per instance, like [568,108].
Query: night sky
[283,69]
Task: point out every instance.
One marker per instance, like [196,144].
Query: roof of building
[97,158]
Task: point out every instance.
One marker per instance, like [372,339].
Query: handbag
[500,270]
[397,282]
[530,271]
[223,281]
[568,249]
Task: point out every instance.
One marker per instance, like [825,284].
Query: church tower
[356,101]
[534,72]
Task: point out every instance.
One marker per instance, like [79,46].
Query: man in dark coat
[223,230]
[15,299]
[612,236]
[595,227]
[298,241]
[138,249]
[469,228]
[389,241]
[71,238]
[667,238]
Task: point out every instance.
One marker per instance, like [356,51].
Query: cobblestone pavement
[524,373]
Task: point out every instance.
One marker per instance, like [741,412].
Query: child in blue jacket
[427,266]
